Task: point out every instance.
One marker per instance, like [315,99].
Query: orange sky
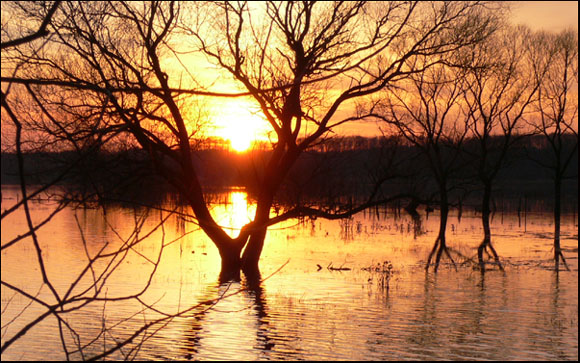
[538,15]
[546,15]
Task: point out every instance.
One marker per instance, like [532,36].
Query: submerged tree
[426,112]
[555,65]
[500,90]
[121,67]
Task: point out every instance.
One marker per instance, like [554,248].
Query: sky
[538,15]
[546,15]
[551,16]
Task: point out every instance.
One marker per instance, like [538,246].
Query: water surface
[300,311]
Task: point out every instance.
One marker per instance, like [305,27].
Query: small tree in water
[426,112]
[500,90]
[555,66]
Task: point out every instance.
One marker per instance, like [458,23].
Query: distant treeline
[338,171]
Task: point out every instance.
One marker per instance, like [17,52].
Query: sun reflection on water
[235,213]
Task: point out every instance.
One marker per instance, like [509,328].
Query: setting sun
[235,122]
[239,134]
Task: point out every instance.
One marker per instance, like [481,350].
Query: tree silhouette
[119,67]
[500,89]
[555,67]
[427,113]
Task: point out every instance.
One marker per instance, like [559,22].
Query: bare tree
[500,89]
[555,66]
[427,113]
[38,33]
[304,64]
[293,63]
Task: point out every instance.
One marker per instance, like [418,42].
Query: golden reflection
[239,212]
[236,213]
[302,313]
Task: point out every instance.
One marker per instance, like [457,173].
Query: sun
[237,124]
[240,137]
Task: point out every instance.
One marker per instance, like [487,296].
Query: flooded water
[333,290]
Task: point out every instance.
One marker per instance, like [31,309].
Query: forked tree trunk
[229,249]
[233,262]
[248,262]
[442,230]
[440,244]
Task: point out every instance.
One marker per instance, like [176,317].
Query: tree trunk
[253,251]
[255,235]
[485,217]
[557,216]
[440,244]
[251,256]
[557,213]
[231,263]
[485,214]
[442,229]
[229,248]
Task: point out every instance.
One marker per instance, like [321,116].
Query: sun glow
[235,122]
[239,135]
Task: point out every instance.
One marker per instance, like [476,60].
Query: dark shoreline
[341,172]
